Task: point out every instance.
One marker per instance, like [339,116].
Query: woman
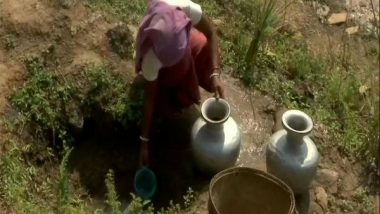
[176,52]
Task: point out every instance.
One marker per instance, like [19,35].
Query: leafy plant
[110,92]
[137,205]
[15,180]
[112,197]
[42,99]
[64,194]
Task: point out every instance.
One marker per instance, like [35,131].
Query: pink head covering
[165,29]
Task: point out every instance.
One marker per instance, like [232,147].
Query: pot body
[215,144]
[291,155]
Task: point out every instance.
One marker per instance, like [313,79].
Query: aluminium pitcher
[215,137]
[290,154]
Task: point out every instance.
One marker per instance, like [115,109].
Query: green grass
[326,90]
[42,99]
[48,101]
[129,11]
[281,67]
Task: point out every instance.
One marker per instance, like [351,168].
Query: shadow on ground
[101,147]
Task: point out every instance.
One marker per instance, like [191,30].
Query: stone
[278,119]
[68,3]
[297,36]
[121,40]
[350,182]
[352,30]
[288,28]
[270,108]
[337,18]
[321,196]
[323,11]
[363,3]
[335,5]
[133,29]
[329,179]
[217,22]
[315,208]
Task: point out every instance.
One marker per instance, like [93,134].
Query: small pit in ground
[105,144]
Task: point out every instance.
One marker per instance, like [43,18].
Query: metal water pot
[290,153]
[215,137]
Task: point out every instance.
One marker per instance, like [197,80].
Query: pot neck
[294,139]
[297,125]
[215,126]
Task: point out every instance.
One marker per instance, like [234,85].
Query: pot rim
[209,102]
[301,115]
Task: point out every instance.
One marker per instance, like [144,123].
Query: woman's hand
[217,86]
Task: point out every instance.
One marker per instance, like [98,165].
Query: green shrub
[42,99]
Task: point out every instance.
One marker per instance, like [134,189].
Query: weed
[10,43]
[264,19]
[15,179]
[137,205]
[42,99]
[112,198]
[366,205]
[64,200]
[111,93]
[211,8]
[130,11]
[189,197]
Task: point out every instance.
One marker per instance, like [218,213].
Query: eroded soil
[74,37]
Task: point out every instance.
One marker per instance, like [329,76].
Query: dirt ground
[77,36]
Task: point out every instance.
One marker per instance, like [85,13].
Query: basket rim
[263,174]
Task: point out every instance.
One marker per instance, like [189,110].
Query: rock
[352,30]
[297,36]
[337,18]
[315,208]
[329,179]
[323,11]
[134,30]
[363,3]
[217,22]
[121,40]
[278,119]
[75,118]
[270,108]
[67,3]
[335,5]
[321,196]
[288,28]
[327,176]
[349,182]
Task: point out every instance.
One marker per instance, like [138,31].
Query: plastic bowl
[145,183]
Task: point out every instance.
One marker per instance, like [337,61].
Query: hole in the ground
[104,144]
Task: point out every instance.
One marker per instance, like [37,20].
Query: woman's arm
[149,105]
[205,26]
[150,68]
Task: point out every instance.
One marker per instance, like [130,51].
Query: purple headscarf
[169,38]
